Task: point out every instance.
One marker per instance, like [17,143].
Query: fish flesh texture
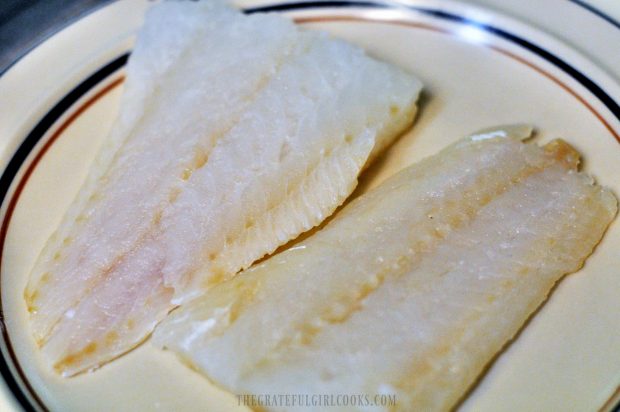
[235,134]
[411,289]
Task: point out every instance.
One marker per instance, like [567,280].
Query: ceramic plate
[481,67]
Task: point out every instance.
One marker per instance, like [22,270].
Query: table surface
[25,23]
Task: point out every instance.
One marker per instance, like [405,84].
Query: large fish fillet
[236,133]
[412,288]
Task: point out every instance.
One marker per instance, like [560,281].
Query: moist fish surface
[235,134]
[411,289]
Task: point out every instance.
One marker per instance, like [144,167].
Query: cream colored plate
[480,69]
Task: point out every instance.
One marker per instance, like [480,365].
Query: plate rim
[18,158]
[105,3]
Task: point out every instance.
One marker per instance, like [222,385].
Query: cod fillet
[236,133]
[413,287]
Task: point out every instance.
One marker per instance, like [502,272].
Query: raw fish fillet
[236,133]
[411,289]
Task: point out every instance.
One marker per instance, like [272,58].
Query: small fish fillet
[236,133]
[411,289]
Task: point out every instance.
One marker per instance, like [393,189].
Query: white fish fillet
[411,289]
[236,133]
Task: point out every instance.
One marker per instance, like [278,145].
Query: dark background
[25,23]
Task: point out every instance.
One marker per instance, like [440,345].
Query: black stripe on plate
[52,116]
[5,182]
[599,13]
[585,81]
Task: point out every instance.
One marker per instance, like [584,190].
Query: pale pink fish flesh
[236,133]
